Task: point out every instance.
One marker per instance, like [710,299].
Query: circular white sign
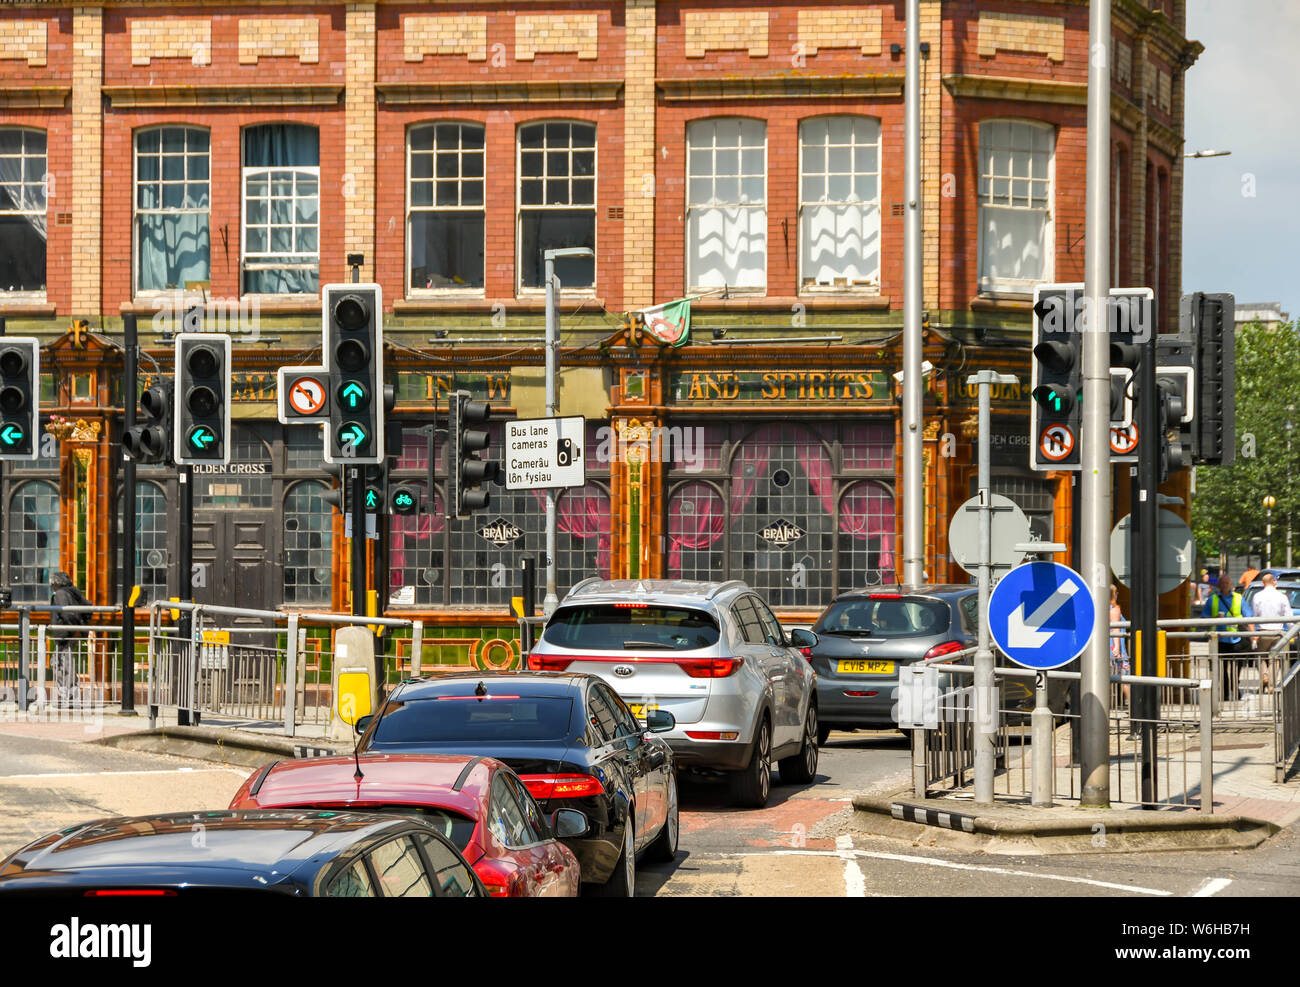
[306,395]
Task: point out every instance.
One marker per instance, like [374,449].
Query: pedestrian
[1119,660]
[66,594]
[1227,602]
[1269,602]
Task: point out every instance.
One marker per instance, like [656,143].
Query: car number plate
[862,666]
[639,710]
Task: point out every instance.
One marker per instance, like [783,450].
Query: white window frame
[297,171]
[520,208]
[692,283]
[195,295]
[39,294]
[1017,286]
[413,290]
[871,286]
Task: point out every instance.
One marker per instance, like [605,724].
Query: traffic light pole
[131,341]
[913,341]
[1143,704]
[552,598]
[185,549]
[357,500]
[1095,480]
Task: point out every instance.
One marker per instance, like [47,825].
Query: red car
[480,805]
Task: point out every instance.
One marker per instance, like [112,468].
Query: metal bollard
[1207,746]
[417,647]
[24,656]
[1041,745]
[1215,677]
[291,676]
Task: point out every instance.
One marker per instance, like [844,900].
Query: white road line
[1212,887]
[96,774]
[855,884]
[931,862]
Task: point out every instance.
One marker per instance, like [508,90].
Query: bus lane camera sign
[545,453]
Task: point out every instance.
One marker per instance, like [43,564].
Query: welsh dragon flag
[669,323]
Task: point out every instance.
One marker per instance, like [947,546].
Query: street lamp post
[1269,501]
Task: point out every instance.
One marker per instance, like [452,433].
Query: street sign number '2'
[1041,614]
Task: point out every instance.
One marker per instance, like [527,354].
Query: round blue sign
[1041,614]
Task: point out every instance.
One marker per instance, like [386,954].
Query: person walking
[1119,660]
[1269,602]
[66,594]
[1227,602]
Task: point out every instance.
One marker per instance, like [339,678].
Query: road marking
[96,774]
[1212,887]
[931,862]
[855,884]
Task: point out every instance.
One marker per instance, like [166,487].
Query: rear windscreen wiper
[649,644]
[847,630]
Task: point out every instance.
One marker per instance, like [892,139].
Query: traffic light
[374,496]
[466,473]
[404,499]
[150,442]
[202,398]
[1171,393]
[20,397]
[1055,414]
[1208,321]
[354,356]
[335,495]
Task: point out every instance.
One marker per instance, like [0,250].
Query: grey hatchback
[865,635]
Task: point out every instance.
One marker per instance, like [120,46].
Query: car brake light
[479,698]
[710,668]
[631,606]
[131,893]
[712,734]
[548,663]
[947,648]
[806,652]
[543,787]
[886,596]
[499,879]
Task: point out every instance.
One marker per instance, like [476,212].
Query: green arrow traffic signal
[352,395]
[201,438]
[354,436]
[12,435]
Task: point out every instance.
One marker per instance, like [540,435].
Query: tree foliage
[1227,508]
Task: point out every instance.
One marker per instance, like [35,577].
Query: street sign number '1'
[1041,614]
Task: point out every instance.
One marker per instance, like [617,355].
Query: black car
[572,741]
[306,854]
[865,636]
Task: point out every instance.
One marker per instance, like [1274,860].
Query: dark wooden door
[232,556]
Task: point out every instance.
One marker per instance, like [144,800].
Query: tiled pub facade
[155,156]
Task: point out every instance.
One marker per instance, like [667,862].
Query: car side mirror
[801,638]
[569,823]
[660,721]
[362,723]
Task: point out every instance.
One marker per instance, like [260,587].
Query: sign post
[545,453]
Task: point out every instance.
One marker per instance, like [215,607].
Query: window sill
[1004,301]
[19,308]
[784,303]
[422,304]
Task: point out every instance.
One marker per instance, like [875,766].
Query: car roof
[927,589]
[266,844]
[674,591]
[448,781]
[538,684]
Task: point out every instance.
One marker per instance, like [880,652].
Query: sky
[1241,214]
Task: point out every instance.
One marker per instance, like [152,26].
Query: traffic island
[1023,830]
[221,745]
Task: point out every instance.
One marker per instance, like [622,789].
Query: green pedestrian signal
[373,498]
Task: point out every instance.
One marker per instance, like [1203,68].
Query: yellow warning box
[517,605]
[354,695]
[216,637]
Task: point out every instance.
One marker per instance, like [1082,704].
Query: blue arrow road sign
[1040,615]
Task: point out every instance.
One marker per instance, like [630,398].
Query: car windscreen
[891,616]
[460,719]
[457,828]
[631,627]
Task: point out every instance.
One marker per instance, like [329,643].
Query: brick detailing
[359,138]
[931,30]
[1124,63]
[23,40]
[456,34]
[639,179]
[840,27]
[1163,86]
[191,39]
[87,158]
[273,37]
[726,30]
[1021,32]
[555,33]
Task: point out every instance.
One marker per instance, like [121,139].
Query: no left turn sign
[1123,439]
[1056,443]
[306,395]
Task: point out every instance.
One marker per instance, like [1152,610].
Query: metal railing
[1286,723]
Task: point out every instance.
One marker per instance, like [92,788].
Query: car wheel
[801,768]
[664,848]
[622,883]
[823,734]
[751,786]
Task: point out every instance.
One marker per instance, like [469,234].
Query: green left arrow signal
[202,438]
[12,435]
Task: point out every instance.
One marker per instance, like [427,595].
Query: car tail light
[886,596]
[501,880]
[478,698]
[131,893]
[858,694]
[631,606]
[710,668]
[947,648]
[543,787]
[712,734]
[548,663]
[806,652]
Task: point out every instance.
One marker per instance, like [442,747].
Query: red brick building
[154,156]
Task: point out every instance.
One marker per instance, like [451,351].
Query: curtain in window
[696,520]
[729,246]
[173,250]
[22,233]
[282,145]
[285,145]
[841,243]
[867,511]
[1014,243]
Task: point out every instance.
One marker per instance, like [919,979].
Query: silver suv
[741,690]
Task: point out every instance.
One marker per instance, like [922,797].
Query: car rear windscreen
[631,627]
[885,617]
[456,719]
[457,828]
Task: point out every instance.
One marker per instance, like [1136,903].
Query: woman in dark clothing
[66,594]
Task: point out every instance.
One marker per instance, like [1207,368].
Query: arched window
[151,546]
[1015,204]
[22,210]
[33,540]
[445,222]
[839,203]
[582,519]
[697,521]
[865,535]
[308,544]
[726,204]
[415,553]
[281,209]
[557,201]
[171,208]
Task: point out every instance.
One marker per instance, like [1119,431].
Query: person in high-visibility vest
[1229,603]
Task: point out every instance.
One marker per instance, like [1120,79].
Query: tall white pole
[913,460]
[552,598]
[1095,478]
